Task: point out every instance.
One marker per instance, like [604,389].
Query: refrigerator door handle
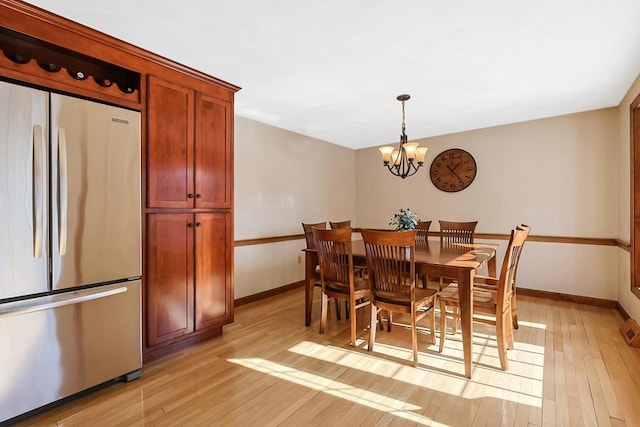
[62,205]
[31,308]
[38,190]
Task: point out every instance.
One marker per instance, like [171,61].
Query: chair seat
[359,284]
[481,297]
[422,294]
[485,286]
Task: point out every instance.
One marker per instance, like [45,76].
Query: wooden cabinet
[190,154]
[213,292]
[188,274]
[187,171]
[170,271]
[213,160]
[189,239]
[170,145]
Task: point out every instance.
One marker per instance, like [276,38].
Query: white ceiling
[332,69]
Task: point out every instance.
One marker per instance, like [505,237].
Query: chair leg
[352,319]
[346,309]
[389,320]
[433,323]
[501,336]
[456,320]
[380,320]
[338,316]
[414,338]
[509,329]
[372,326]
[443,324]
[323,312]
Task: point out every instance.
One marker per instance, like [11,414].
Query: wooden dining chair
[360,270]
[457,232]
[489,302]
[337,277]
[422,236]
[311,244]
[482,284]
[422,229]
[392,281]
[453,233]
[308,235]
[340,224]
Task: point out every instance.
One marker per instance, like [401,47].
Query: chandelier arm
[392,169]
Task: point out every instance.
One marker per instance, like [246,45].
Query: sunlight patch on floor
[523,381]
[335,388]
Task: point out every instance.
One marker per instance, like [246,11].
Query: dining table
[459,261]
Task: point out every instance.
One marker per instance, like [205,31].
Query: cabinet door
[214,294]
[170,145]
[214,156]
[169,279]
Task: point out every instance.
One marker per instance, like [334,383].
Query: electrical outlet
[299,259]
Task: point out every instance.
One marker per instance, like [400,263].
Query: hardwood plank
[580,381]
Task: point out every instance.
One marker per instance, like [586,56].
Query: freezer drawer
[58,345]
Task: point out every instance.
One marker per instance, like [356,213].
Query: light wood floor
[570,366]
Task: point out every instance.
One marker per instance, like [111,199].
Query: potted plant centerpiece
[404,220]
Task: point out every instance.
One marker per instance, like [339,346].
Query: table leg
[308,286]
[465,283]
[491,266]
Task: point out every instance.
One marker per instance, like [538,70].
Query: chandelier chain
[403,125]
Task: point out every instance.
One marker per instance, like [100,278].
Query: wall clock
[453,170]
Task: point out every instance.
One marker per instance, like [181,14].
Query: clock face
[453,170]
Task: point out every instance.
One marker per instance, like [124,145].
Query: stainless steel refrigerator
[70,251]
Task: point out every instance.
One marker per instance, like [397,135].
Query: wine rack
[40,63]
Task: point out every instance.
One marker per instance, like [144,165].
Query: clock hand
[452,170]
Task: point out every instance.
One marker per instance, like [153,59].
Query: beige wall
[281,180]
[566,176]
[556,174]
[628,300]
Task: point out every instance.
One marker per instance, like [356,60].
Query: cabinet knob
[198,196]
[190,195]
[198,224]
[190,224]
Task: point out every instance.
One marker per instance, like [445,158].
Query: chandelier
[408,157]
